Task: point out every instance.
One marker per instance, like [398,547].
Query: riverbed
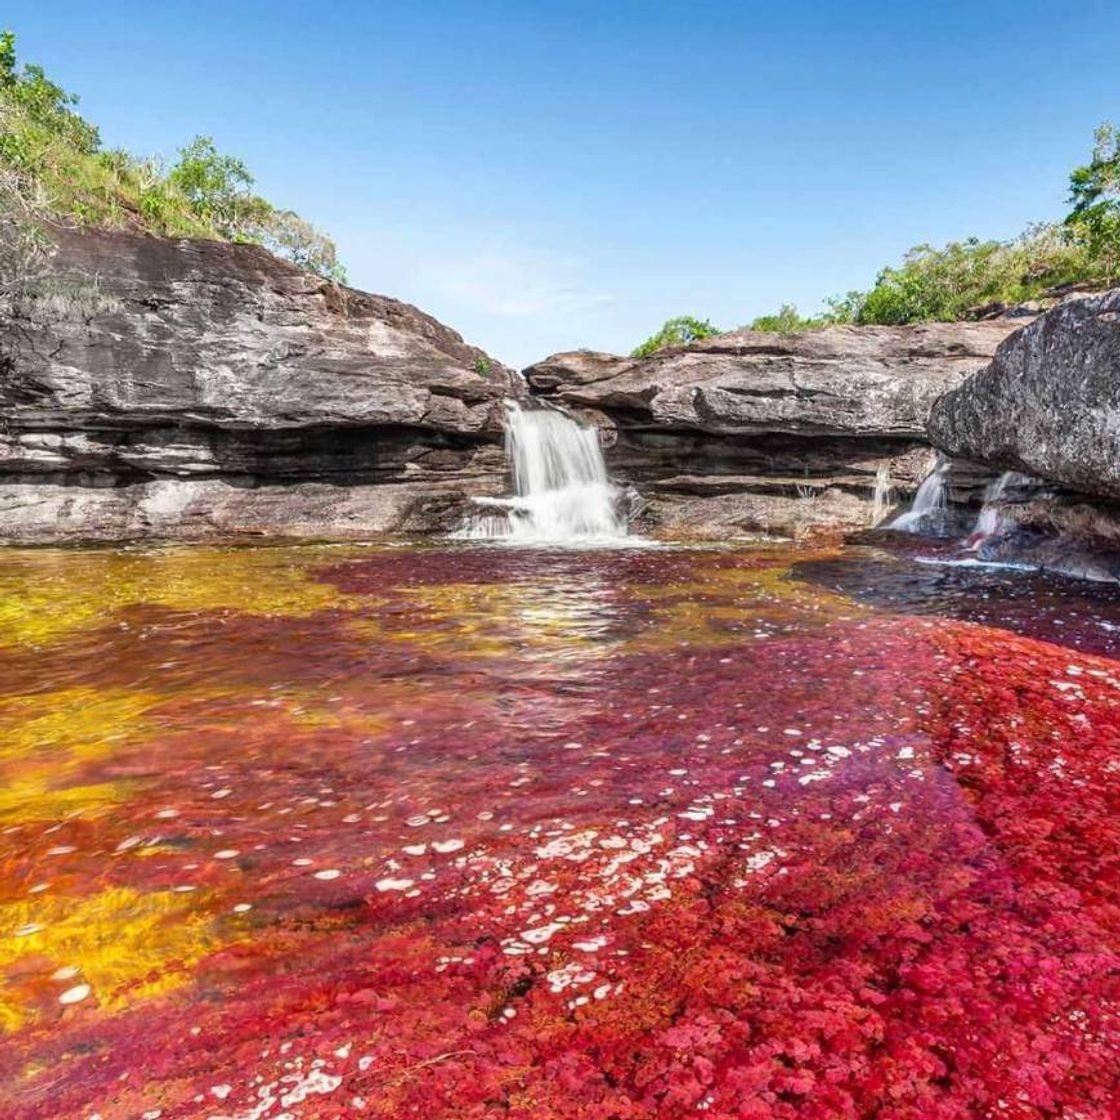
[476,831]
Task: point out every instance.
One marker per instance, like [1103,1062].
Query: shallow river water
[456,832]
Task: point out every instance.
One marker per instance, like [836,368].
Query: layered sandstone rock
[186,388]
[1049,402]
[770,432]
[1048,407]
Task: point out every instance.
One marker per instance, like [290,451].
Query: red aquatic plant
[788,860]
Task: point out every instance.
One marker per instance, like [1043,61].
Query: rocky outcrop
[1048,406]
[1049,402]
[773,433]
[193,388]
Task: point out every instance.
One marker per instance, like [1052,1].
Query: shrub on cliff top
[1094,222]
[951,283]
[676,332]
[788,320]
[959,280]
[49,151]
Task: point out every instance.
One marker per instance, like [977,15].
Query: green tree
[287,235]
[676,332]
[1094,191]
[47,104]
[52,164]
[955,281]
[217,187]
[7,59]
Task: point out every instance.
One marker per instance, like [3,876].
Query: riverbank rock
[1048,407]
[151,387]
[1049,402]
[773,433]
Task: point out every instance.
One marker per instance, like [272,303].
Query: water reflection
[1059,609]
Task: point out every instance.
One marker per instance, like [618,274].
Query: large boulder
[774,433]
[1049,402]
[140,365]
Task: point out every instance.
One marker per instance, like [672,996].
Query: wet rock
[1048,405]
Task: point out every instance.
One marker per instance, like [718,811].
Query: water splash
[561,490]
[930,503]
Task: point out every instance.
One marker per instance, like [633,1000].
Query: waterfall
[991,518]
[561,489]
[930,503]
[883,495]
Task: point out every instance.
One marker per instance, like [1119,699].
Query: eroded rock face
[840,381]
[152,378]
[1049,402]
[770,432]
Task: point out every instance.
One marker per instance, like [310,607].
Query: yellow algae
[127,946]
[82,723]
[46,737]
[693,611]
[47,594]
[34,798]
[336,717]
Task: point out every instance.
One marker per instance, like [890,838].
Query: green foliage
[48,149]
[215,186]
[23,247]
[7,59]
[1094,222]
[482,366]
[962,278]
[42,101]
[787,320]
[287,235]
[676,332]
[955,281]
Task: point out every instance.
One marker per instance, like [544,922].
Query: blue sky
[546,176]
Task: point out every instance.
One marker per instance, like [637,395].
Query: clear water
[458,831]
[992,517]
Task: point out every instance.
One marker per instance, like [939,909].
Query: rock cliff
[1048,406]
[193,388]
[183,389]
[770,432]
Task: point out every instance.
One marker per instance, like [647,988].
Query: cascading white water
[883,495]
[991,518]
[930,502]
[562,492]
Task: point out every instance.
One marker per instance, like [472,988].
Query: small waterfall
[883,496]
[930,503]
[561,489]
[991,518]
